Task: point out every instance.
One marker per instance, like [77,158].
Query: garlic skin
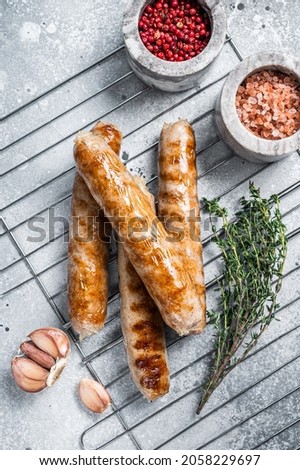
[41,359]
[55,371]
[93,395]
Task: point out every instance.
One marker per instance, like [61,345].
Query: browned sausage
[153,257]
[143,331]
[178,203]
[89,251]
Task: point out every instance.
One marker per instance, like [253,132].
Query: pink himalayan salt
[268,104]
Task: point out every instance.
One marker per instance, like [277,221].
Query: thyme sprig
[253,249]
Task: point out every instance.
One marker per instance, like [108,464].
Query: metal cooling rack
[138,419]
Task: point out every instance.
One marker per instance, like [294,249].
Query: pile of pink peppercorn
[175,30]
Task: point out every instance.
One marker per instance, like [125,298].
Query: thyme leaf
[253,249]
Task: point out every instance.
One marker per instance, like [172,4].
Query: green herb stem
[253,249]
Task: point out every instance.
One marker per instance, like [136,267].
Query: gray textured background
[45,43]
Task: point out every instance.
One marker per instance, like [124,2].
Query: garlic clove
[44,342]
[29,385]
[37,355]
[52,341]
[30,369]
[93,395]
[61,341]
[28,375]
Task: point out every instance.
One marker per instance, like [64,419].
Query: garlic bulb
[41,360]
[93,395]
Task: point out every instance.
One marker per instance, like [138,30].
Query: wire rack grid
[229,420]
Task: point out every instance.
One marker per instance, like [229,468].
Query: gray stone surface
[45,44]
[264,25]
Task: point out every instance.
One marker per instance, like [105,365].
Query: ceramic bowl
[165,75]
[230,128]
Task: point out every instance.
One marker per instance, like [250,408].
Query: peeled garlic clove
[93,395]
[52,341]
[28,375]
[37,355]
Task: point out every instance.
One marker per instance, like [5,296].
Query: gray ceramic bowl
[230,128]
[172,76]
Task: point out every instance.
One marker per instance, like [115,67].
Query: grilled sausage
[178,203]
[129,211]
[143,331]
[89,251]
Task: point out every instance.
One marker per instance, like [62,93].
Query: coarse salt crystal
[247,107]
